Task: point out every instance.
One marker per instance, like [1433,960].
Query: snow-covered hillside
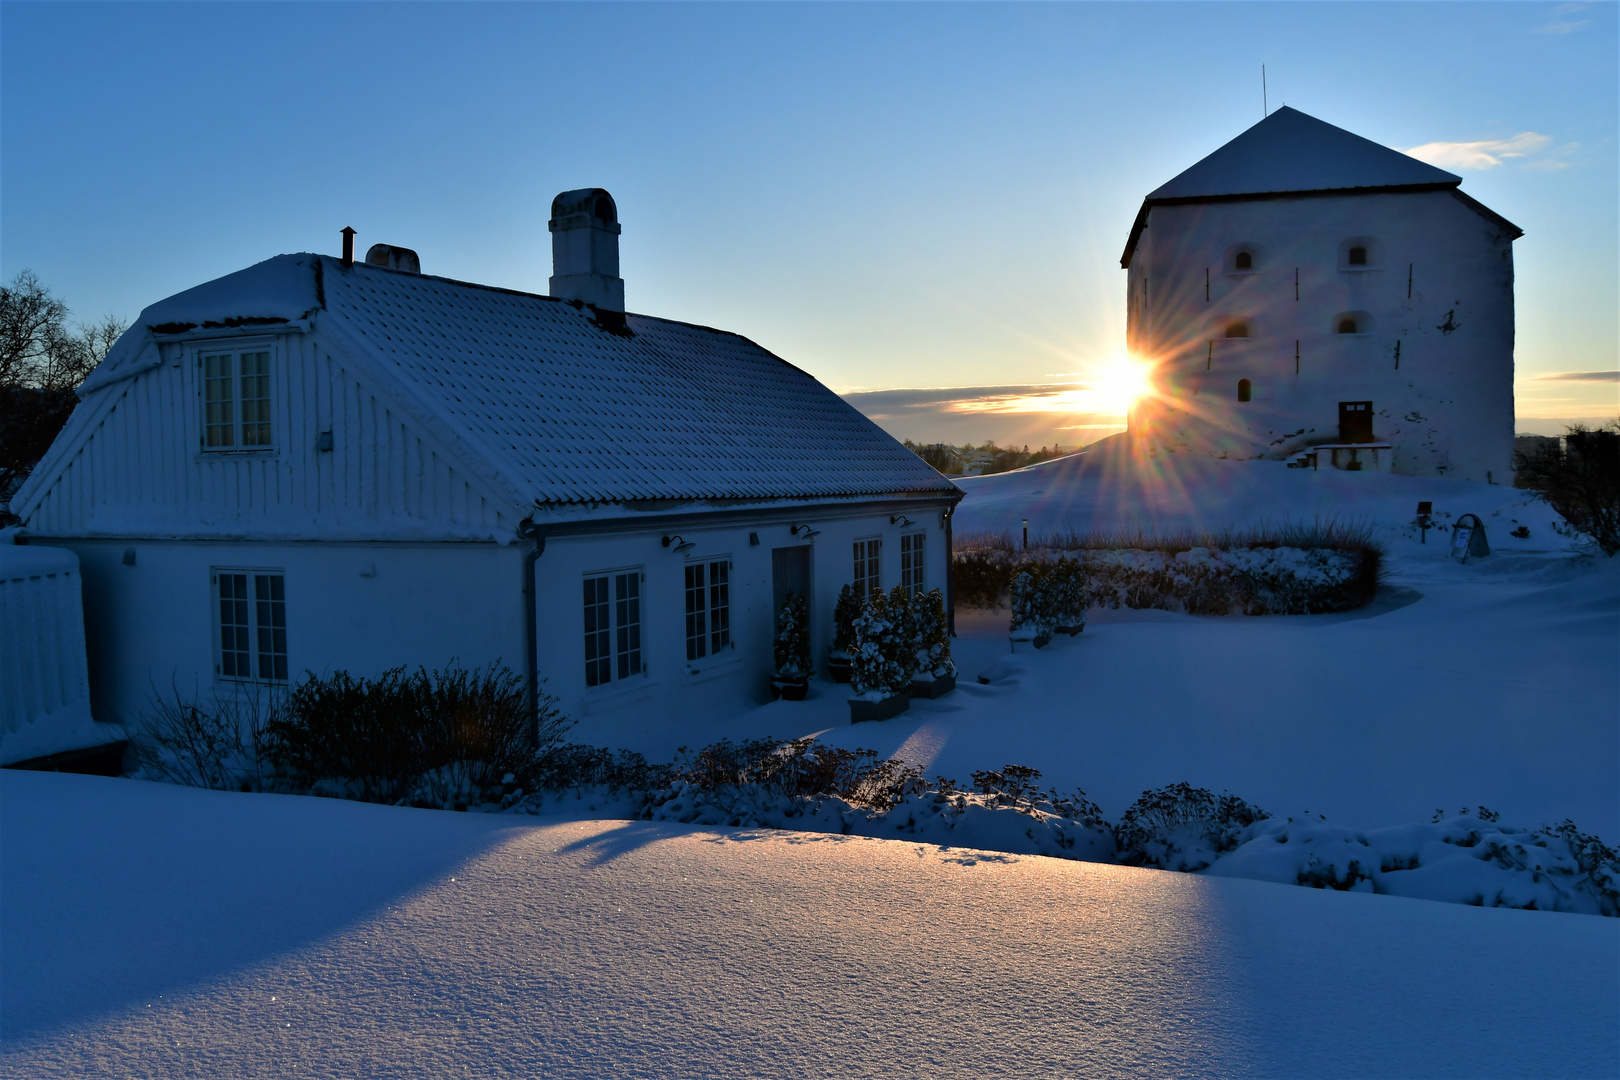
[152,930]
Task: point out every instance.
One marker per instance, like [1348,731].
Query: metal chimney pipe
[348,246]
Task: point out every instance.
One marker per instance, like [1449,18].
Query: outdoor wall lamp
[902,521]
[804,532]
[678,543]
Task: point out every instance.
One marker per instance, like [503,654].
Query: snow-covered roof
[1291,153]
[566,405]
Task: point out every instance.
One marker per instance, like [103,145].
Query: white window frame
[234,425]
[913,560]
[868,563]
[258,622]
[626,636]
[709,645]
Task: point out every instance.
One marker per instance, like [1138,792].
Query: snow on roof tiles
[1289,152]
[572,406]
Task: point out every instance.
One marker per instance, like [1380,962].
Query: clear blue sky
[890,196]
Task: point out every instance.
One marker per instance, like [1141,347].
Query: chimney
[395,258]
[585,249]
[348,246]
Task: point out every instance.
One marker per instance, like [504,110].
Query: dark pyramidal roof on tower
[1291,153]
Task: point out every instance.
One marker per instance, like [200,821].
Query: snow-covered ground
[1496,683]
[151,930]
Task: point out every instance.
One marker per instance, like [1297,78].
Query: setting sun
[1122,381]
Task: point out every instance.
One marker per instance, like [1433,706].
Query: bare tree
[1580,480]
[42,363]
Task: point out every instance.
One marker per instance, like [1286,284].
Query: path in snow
[161,931]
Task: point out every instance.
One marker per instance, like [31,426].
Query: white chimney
[585,249]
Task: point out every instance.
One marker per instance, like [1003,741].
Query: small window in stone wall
[1242,258]
[1360,253]
[1237,330]
[1245,390]
[1353,323]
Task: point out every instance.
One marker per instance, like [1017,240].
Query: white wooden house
[1303,289]
[319,463]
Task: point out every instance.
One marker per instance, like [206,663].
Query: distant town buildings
[1305,291]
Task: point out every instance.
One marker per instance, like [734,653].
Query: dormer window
[1347,326]
[1244,261]
[1237,330]
[1357,257]
[236,400]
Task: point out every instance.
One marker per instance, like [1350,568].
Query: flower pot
[790,687]
[839,668]
[878,710]
[932,687]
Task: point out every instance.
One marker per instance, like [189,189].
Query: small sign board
[1468,538]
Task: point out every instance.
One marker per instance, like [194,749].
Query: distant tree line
[955,460]
[42,362]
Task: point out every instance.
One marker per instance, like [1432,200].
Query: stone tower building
[1303,290]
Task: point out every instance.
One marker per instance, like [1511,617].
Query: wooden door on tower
[1355,421]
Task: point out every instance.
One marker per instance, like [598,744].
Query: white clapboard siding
[142,472]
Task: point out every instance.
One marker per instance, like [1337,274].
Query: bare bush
[215,742]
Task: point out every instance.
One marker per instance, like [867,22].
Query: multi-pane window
[868,554]
[708,608]
[252,625]
[236,400]
[911,562]
[612,627]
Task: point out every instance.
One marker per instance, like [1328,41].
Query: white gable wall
[1446,403]
[152,627]
[142,471]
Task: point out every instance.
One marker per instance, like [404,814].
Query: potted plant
[1069,597]
[1031,606]
[936,671]
[790,681]
[845,613]
[880,678]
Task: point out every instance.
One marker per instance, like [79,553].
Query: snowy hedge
[1318,572]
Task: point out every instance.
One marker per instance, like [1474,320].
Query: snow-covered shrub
[792,652]
[1034,607]
[933,635]
[1181,827]
[1464,859]
[1068,594]
[845,612]
[907,631]
[441,738]
[1302,570]
[883,657]
[573,767]
[805,785]
[215,743]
